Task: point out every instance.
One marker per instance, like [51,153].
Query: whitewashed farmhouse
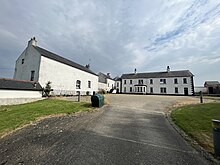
[67,77]
[168,82]
[106,83]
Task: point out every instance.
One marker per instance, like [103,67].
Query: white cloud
[117,36]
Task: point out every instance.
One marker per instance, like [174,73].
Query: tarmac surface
[132,129]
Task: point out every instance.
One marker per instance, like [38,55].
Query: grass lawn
[195,120]
[14,116]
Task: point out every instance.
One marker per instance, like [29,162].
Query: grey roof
[181,73]
[58,58]
[103,77]
[117,78]
[19,84]
[211,83]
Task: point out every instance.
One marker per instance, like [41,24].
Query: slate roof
[211,83]
[19,84]
[103,77]
[181,73]
[58,58]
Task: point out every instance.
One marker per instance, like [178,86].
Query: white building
[67,77]
[106,83]
[118,85]
[168,82]
[12,89]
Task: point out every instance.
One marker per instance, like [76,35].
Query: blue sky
[117,36]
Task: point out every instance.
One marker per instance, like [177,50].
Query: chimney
[87,66]
[108,74]
[168,68]
[32,42]
[135,71]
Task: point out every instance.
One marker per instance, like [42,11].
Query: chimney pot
[168,68]
[135,71]
[32,42]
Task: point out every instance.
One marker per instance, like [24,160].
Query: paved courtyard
[132,129]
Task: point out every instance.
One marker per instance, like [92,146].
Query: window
[130,89]
[140,89]
[124,81]
[89,84]
[78,84]
[163,81]
[163,90]
[140,81]
[176,90]
[117,84]
[32,75]
[108,84]
[22,61]
[130,81]
[144,89]
[151,81]
[125,89]
[151,90]
[184,81]
[175,81]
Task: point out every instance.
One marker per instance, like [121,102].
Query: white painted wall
[31,62]
[107,86]
[110,84]
[19,94]
[118,86]
[170,86]
[64,77]
[102,86]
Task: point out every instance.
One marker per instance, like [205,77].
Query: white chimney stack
[32,42]
[135,71]
[168,68]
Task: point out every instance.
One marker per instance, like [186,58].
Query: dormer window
[22,61]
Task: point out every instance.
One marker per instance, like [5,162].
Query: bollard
[216,136]
[201,99]
[78,96]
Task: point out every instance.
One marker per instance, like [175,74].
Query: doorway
[186,93]
[211,90]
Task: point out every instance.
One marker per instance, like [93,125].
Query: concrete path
[131,130]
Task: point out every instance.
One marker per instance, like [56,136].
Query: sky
[117,36]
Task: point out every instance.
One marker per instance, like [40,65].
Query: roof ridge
[154,72]
[18,80]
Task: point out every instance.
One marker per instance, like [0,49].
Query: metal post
[201,98]
[78,96]
[216,136]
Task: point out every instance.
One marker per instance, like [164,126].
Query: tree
[47,89]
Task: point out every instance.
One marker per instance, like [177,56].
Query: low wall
[5,94]
[14,101]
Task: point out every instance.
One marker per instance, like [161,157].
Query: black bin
[216,136]
[97,100]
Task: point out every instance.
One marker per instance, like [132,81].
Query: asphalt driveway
[131,130]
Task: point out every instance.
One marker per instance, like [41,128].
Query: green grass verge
[14,116]
[195,120]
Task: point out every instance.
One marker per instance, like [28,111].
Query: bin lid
[99,95]
[215,123]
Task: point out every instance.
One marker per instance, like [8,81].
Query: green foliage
[196,121]
[14,116]
[47,89]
